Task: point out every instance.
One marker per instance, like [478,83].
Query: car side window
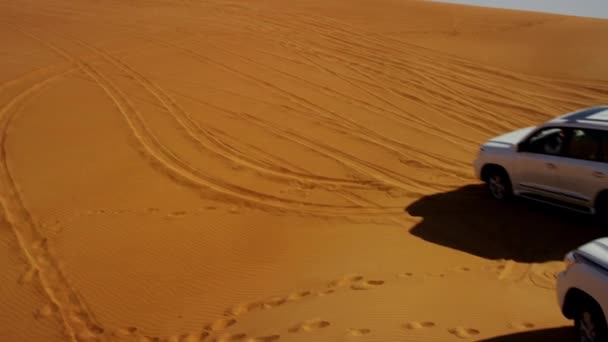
[584,144]
[550,141]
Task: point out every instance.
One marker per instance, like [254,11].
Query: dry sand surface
[219,170]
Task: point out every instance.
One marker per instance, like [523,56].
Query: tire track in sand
[371,47]
[381,174]
[389,144]
[411,121]
[215,145]
[178,168]
[143,80]
[165,98]
[431,60]
[78,322]
[332,119]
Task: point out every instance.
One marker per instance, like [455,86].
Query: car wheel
[590,324]
[498,184]
[601,209]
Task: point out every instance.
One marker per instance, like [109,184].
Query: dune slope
[268,170]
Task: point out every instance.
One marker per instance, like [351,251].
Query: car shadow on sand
[565,334]
[468,219]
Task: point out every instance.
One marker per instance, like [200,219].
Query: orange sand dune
[225,170]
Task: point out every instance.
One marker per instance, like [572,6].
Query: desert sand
[183,170]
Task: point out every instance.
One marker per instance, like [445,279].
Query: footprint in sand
[405,275]
[521,325]
[436,275]
[126,331]
[463,332]
[242,309]
[220,324]
[273,302]
[201,337]
[269,338]
[358,332]
[367,285]
[232,337]
[545,275]
[326,292]
[505,269]
[176,214]
[237,310]
[189,337]
[299,295]
[345,281]
[463,269]
[46,311]
[96,329]
[509,270]
[414,325]
[149,339]
[310,325]
[182,338]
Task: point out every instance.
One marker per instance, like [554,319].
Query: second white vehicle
[563,162]
[582,290]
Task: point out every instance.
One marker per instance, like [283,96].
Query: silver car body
[572,177]
[587,272]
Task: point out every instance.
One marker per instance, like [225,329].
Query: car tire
[601,209]
[590,323]
[499,184]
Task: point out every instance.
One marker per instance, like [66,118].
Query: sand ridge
[261,171]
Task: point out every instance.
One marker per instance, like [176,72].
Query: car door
[583,172]
[536,163]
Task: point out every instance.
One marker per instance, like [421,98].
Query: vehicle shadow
[564,334]
[468,219]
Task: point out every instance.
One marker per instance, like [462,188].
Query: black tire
[590,323]
[601,209]
[498,184]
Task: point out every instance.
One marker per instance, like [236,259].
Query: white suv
[582,290]
[563,162]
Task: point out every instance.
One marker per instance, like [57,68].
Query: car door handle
[599,174]
[551,166]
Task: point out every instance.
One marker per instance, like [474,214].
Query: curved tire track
[182,170]
[77,320]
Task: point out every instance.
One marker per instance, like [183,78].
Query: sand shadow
[565,334]
[468,219]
